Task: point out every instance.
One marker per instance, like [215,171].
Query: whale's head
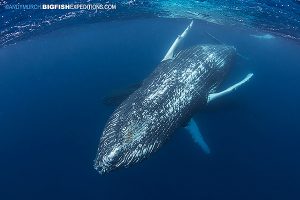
[112,149]
[109,160]
[125,139]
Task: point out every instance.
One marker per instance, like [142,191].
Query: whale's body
[166,101]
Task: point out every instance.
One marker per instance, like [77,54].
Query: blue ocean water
[52,115]
[280,17]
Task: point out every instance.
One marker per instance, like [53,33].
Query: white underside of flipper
[175,44]
[214,96]
[193,129]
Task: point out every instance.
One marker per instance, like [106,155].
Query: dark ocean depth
[52,116]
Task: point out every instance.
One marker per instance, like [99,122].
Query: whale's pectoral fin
[193,129]
[214,96]
[178,40]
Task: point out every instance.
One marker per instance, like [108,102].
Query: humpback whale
[180,86]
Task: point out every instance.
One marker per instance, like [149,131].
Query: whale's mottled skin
[166,100]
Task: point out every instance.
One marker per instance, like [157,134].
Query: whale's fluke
[194,130]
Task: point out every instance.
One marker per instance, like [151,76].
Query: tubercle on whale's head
[122,143]
[110,152]
[109,161]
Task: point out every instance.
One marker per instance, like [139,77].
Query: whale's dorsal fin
[194,130]
[214,96]
[178,40]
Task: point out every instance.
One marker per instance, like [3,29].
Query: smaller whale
[263,37]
